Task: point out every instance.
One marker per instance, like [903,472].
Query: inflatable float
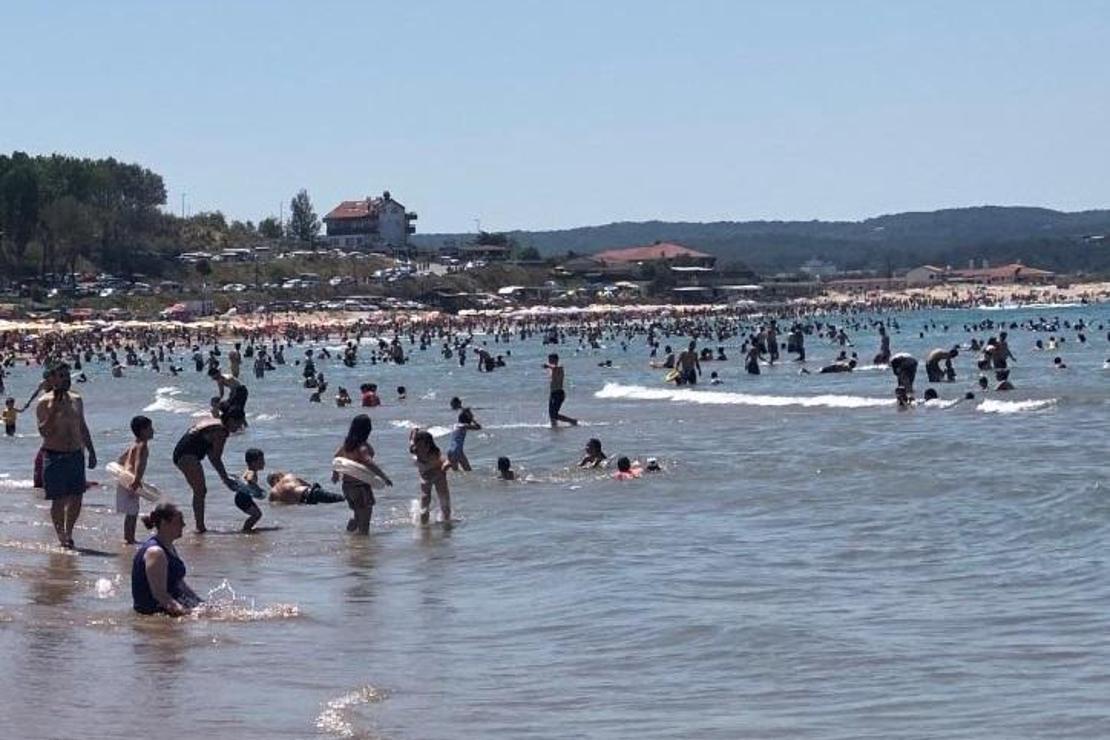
[355,470]
[124,478]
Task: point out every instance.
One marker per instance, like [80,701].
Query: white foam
[684,395]
[334,719]
[17,483]
[436,431]
[164,401]
[267,417]
[994,406]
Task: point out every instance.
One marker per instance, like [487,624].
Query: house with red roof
[370,223]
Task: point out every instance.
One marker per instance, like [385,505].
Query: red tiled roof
[661,251]
[353,209]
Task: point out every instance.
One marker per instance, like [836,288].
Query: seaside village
[368,258]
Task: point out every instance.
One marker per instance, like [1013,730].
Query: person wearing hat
[65,437]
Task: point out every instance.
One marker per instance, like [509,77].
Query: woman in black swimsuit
[206,439]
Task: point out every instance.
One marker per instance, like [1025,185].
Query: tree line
[61,214]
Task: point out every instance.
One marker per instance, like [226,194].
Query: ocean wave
[436,431]
[685,395]
[17,483]
[164,401]
[994,406]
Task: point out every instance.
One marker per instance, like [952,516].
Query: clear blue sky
[562,113]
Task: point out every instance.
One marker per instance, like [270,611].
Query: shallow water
[812,564]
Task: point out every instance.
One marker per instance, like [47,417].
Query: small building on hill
[370,223]
[1013,273]
[664,253]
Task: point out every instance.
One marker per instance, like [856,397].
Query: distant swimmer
[557,395]
[904,367]
[934,359]
[751,361]
[625,470]
[505,469]
[594,455]
[839,367]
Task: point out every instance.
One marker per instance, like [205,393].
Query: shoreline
[982,297]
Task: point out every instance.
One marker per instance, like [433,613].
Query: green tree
[68,231]
[270,228]
[19,206]
[303,224]
[529,254]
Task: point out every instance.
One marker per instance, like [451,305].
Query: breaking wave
[685,395]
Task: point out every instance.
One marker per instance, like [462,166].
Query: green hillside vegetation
[1037,236]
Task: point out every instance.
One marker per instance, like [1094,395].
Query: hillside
[1053,239]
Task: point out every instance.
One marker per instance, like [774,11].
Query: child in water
[251,489]
[9,416]
[505,469]
[625,471]
[594,455]
[133,460]
[432,467]
[455,453]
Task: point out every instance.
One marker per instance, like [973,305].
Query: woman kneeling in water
[157,572]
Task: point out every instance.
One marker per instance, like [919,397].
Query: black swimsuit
[193,442]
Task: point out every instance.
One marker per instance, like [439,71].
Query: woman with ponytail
[158,573]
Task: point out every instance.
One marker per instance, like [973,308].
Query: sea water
[812,563]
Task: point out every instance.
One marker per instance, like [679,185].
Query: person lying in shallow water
[286,488]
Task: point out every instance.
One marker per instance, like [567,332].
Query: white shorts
[126,502]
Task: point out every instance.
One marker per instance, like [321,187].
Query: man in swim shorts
[904,367]
[65,437]
[558,395]
[688,366]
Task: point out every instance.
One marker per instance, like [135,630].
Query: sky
[543,115]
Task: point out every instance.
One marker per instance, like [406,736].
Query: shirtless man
[235,360]
[65,437]
[933,361]
[286,488]
[558,395]
[688,366]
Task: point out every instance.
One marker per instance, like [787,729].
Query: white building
[926,275]
[370,223]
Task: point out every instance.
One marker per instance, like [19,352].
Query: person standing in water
[207,439]
[359,494]
[557,395]
[65,437]
[904,367]
[688,366]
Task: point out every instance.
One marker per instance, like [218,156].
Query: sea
[810,563]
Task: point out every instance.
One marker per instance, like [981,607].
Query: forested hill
[1038,236]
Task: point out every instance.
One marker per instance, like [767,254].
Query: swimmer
[653,466]
[904,367]
[369,393]
[625,470]
[505,469]
[402,394]
[594,455]
[342,398]
[713,379]
[557,396]
[905,401]
[9,415]
[1058,363]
